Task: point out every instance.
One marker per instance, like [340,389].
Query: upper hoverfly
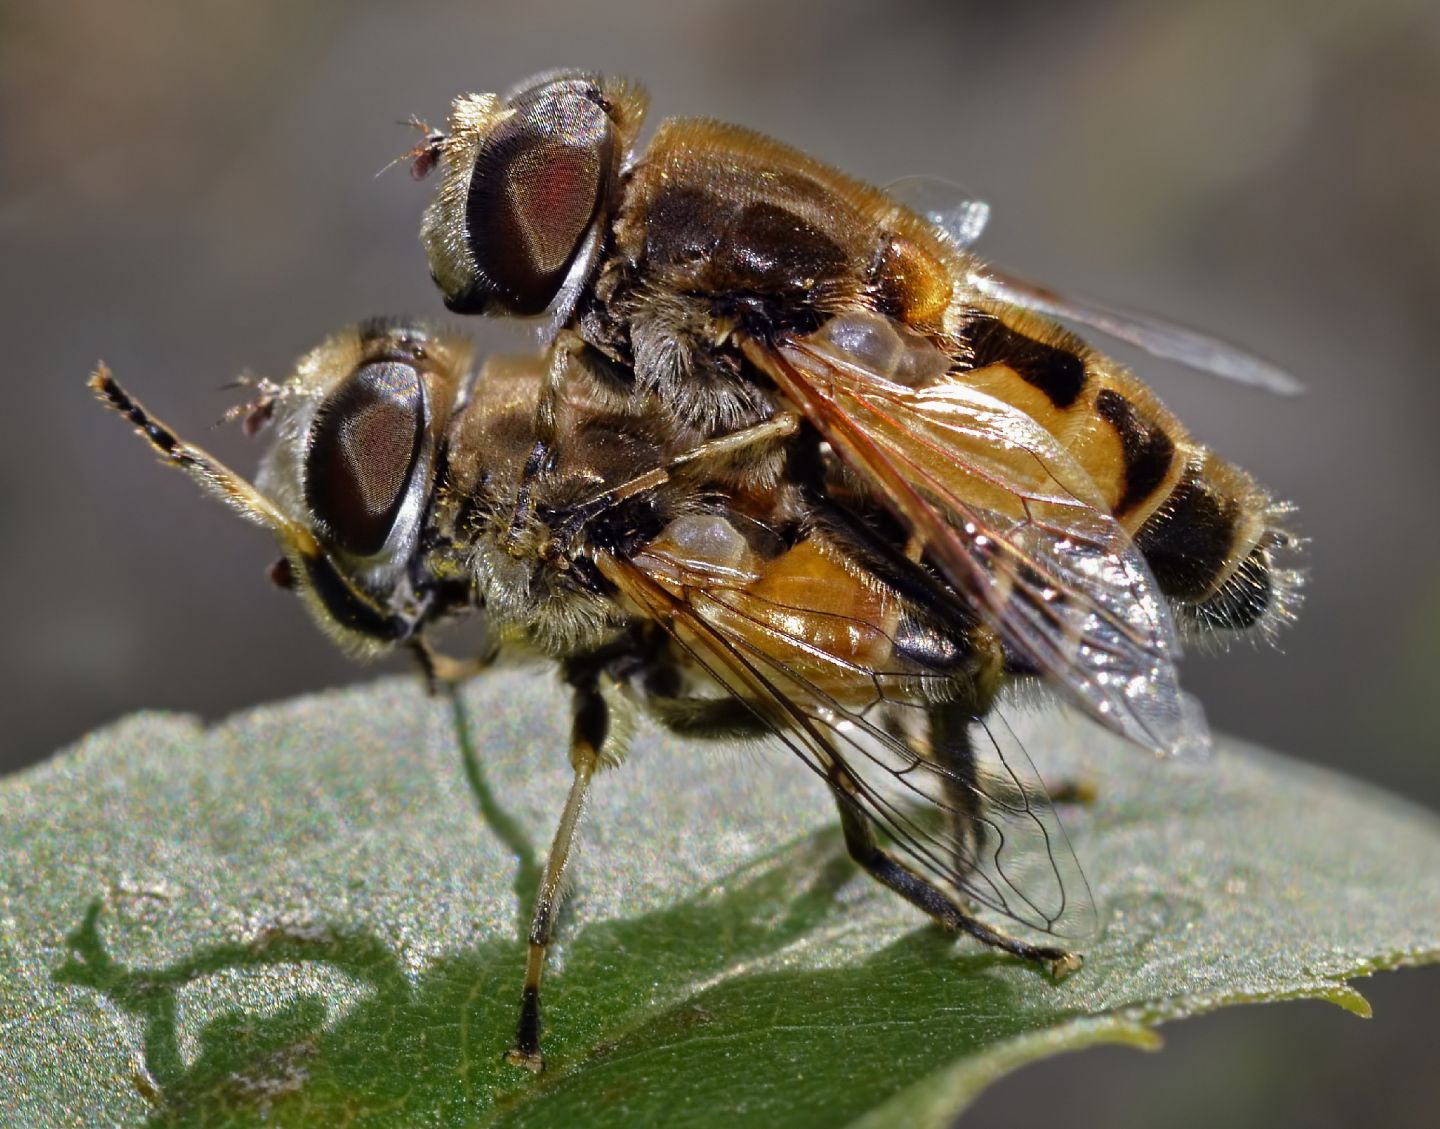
[726,279]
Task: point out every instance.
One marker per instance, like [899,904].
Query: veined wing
[1155,335]
[770,656]
[1014,523]
[962,218]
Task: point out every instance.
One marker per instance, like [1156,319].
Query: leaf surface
[313,915]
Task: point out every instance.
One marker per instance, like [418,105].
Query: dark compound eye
[363,448]
[534,192]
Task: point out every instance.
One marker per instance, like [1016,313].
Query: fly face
[395,484]
[528,182]
[346,485]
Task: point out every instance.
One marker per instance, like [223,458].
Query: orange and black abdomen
[750,230]
[1212,537]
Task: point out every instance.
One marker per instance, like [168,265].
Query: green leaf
[313,914]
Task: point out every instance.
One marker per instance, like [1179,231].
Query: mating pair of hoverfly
[791,462]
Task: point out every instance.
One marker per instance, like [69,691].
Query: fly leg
[1072,790]
[780,426]
[950,749]
[710,719]
[590,728]
[734,718]
[945,742]
[444,672]
[563,351]
[950,746]
[920,891]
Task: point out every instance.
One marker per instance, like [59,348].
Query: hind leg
[924,894]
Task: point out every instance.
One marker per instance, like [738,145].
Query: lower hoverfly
[740,585]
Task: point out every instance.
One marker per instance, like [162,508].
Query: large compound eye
[363,448]
[534,192]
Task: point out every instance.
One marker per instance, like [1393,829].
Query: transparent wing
[1019,863]
[1155,335]
[1014,523]
[961,219]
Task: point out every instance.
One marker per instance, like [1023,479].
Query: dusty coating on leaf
[301,913]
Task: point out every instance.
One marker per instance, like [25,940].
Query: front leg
[563,350]
[590,728]
[444,673]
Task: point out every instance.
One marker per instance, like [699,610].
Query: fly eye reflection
[363,448]
[534,192]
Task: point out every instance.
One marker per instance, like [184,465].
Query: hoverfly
[394,486]
[729,278]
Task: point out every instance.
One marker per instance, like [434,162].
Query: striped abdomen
[1214,539]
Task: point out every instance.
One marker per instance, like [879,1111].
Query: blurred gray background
[188,191]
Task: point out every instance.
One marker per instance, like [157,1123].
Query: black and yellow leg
[563,351]
[780,426]
[950,748]
[924,894]
[591,726]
